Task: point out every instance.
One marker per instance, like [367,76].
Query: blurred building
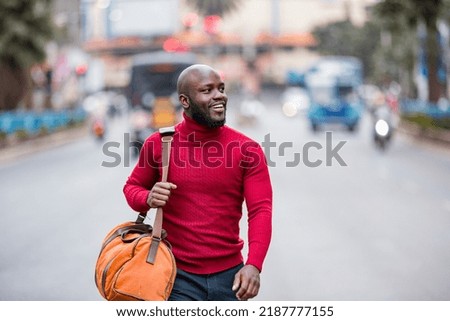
[67,17]
[276,34]
[270,36]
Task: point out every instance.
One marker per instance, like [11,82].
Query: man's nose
[220,94]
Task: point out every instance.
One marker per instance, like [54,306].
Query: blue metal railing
[34,122]
[411,106]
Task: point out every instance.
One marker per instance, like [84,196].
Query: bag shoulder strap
[166,139]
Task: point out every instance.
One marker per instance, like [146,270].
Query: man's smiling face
[206,97]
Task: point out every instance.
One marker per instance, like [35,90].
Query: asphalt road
[366,226]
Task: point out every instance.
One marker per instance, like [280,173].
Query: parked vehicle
[332,85]
[152,92]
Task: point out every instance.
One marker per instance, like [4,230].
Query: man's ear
[184,100]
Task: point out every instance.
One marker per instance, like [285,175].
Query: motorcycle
[98,128]
[383,129]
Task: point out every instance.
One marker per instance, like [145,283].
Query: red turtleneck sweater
[215,170]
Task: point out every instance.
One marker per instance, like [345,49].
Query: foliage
[344,39]
[402,17]
[214,7]
[427,122]
[395,57]
[388,44]
[25,28]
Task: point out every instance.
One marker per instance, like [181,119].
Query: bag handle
[166,139]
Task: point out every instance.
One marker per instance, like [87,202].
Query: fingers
[159,194]
[248,289]
[237,282]
[246,283]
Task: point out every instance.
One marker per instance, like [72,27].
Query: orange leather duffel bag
[128,268]
[135,261]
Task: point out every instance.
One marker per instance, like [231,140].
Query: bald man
[213,170]
[190,87]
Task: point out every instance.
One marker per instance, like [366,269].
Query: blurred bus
[152,91]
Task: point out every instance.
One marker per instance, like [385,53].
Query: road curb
[20,149]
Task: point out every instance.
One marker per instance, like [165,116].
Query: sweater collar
[189,126]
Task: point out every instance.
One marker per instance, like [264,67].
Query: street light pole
[275,17]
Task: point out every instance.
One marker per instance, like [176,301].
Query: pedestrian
[213,170]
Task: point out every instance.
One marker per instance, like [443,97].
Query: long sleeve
[258,196]
[144,175]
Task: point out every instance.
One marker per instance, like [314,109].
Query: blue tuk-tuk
[332,85]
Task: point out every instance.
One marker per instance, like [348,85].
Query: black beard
[203,118]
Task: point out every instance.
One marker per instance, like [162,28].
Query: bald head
[201,92]
[191,75]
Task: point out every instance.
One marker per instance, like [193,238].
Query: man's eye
[206,90]
[222,89]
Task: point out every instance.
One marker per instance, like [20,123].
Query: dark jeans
[204,287]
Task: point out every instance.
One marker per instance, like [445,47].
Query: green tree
[342,38]
[25,28]
[402,17]
[396,56]
[214,7]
